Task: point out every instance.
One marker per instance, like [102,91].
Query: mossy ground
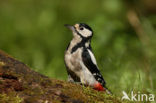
[19,84]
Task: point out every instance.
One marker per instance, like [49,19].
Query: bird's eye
[81,28]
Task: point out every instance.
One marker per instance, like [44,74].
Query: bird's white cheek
[86,33]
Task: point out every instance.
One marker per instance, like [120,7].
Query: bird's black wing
[92,66]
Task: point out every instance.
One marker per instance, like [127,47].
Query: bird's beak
[70,27]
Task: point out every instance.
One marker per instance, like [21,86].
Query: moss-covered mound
[20,84]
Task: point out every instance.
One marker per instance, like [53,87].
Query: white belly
[75,64]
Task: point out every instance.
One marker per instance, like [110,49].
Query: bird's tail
[108,91]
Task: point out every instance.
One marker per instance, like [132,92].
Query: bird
[80,61]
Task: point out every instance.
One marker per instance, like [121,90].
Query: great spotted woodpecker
[80,61]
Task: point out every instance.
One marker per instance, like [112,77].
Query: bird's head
[81,29]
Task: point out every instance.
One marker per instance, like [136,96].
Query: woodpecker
[79,59]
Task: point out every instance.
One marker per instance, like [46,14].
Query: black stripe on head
[86,26]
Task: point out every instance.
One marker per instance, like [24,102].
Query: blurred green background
[124,41]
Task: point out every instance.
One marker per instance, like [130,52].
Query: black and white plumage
[80,61]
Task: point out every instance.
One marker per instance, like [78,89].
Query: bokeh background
[124,39]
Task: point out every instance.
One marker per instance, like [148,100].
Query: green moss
[96,96]
[4,98]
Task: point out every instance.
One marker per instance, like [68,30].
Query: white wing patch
[92,57]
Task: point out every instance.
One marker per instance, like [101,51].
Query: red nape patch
[99,87]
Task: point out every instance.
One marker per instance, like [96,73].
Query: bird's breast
[72,60]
